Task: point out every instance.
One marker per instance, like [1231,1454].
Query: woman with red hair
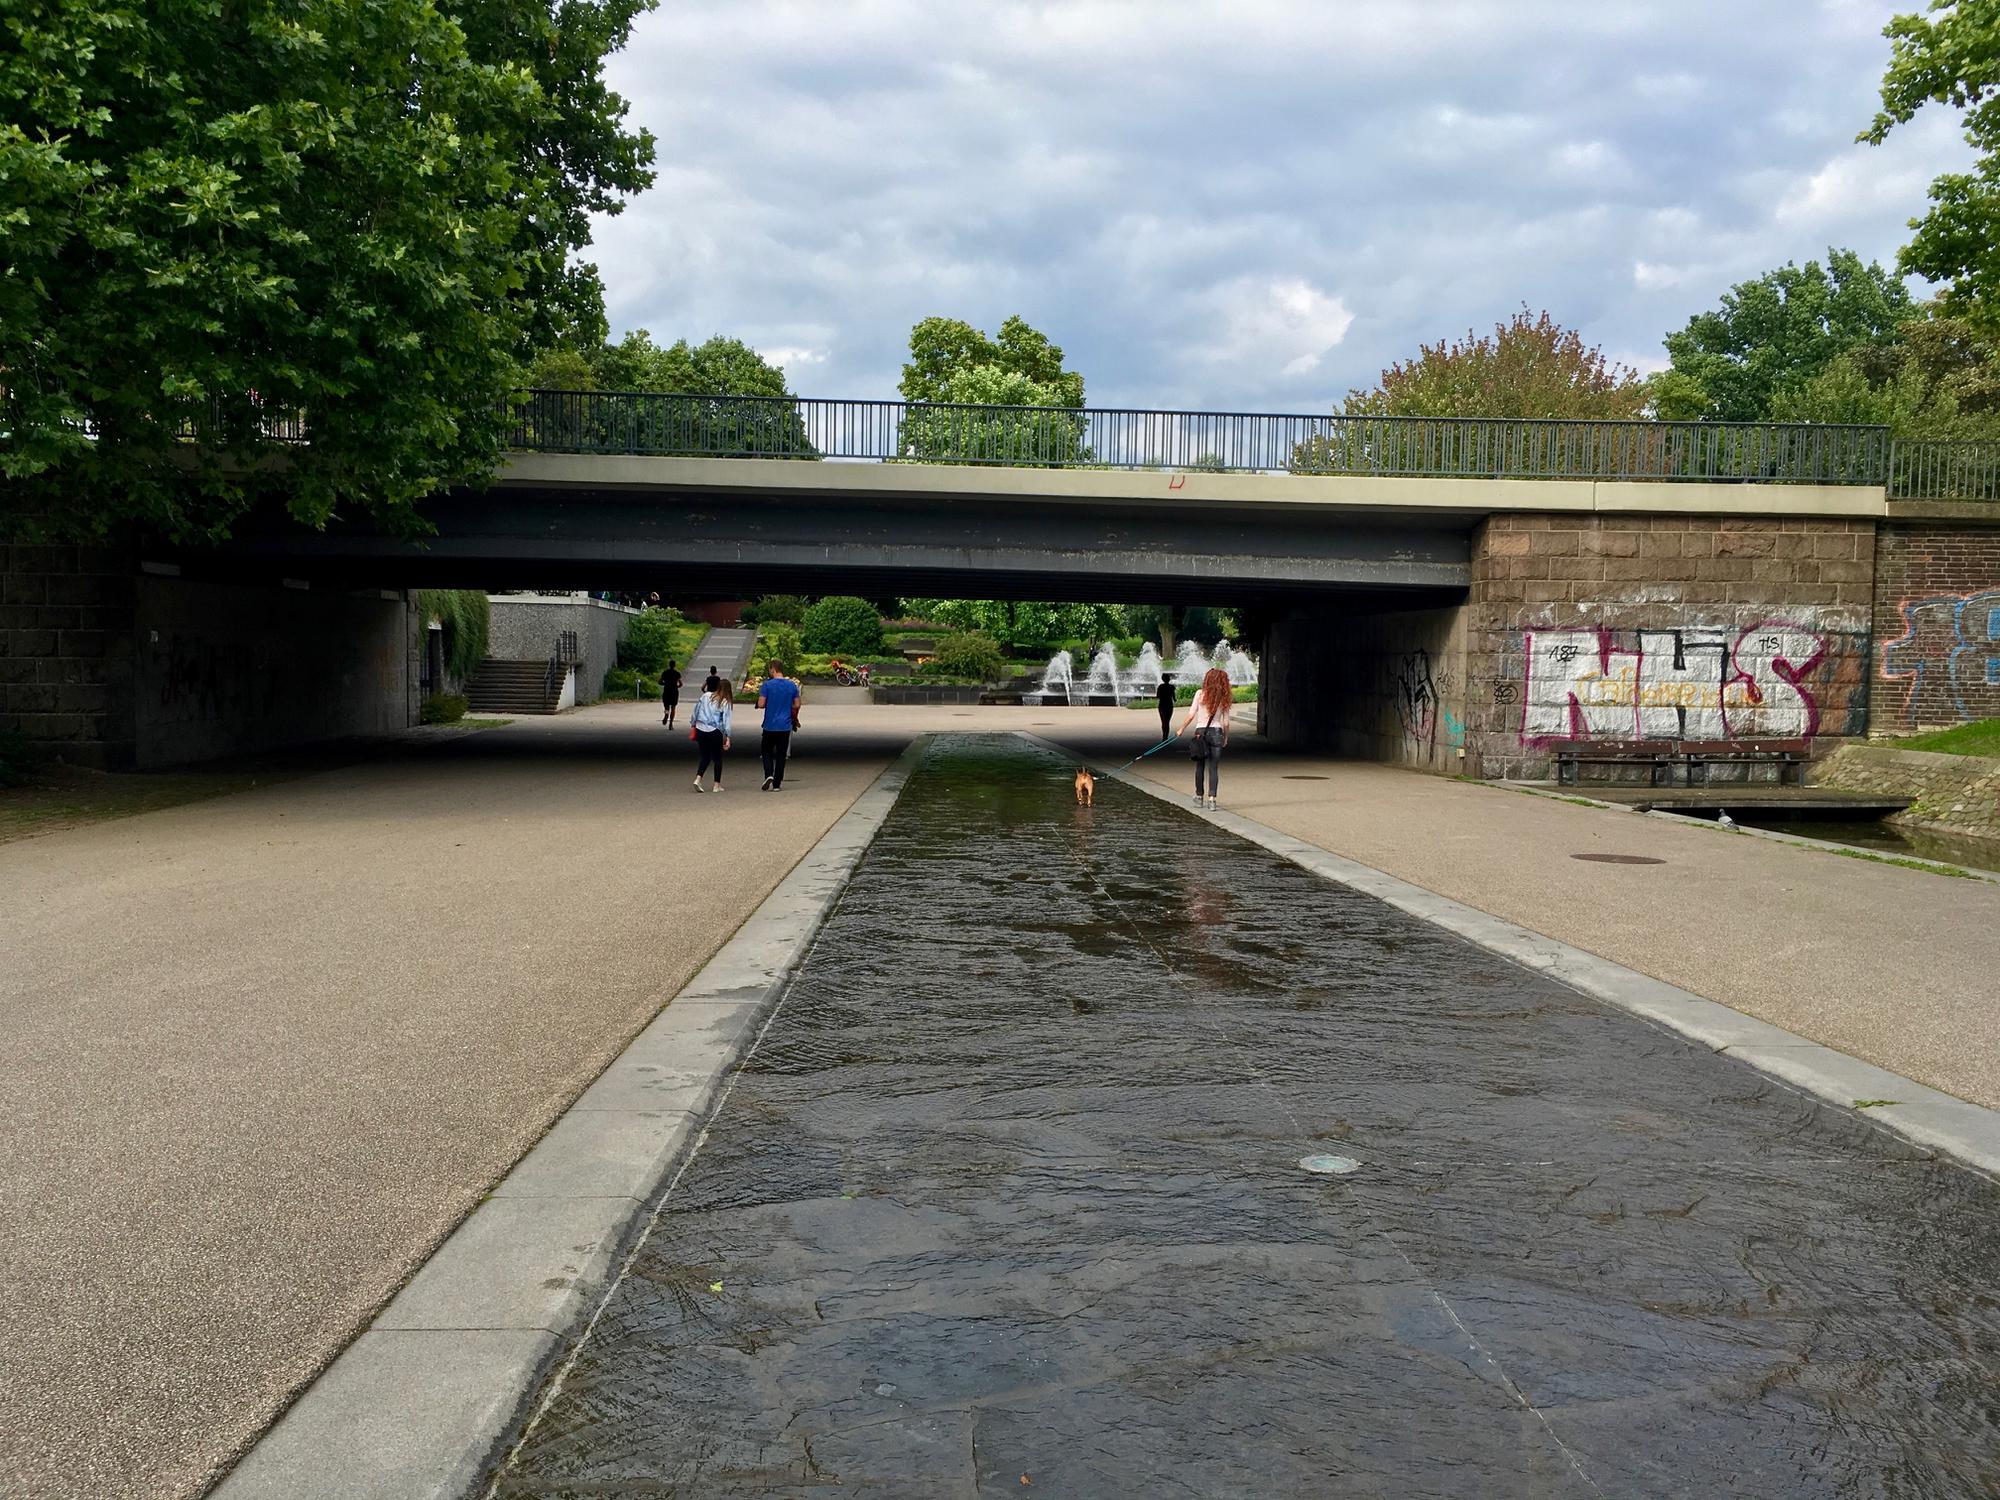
[1208,717]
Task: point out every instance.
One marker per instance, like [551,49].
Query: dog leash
[1170,739]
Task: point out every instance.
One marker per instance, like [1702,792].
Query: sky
[1252,206]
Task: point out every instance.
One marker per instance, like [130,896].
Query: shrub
[779,643]
[776,609]
[844,626]
[970,653]
[444,708]
[649,640]
[624,682]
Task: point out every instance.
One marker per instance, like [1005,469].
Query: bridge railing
[627,422]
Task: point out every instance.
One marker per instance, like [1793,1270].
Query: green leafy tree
[226,226]
[1952,58]
[842,625]
[719,367]
[465,616]
[1939,379]
[953,362]
[1776,333]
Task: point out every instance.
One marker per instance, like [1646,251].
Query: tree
[225,227]
[1530,366]
[465,616]
[1939,378]
[1776,333]
[719,367]
[1952,59]
[953,362]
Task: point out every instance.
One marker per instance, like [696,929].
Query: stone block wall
[1663,627]
[1379,684]
[1937,625]
[1956,794]
[66,650]
[525,626]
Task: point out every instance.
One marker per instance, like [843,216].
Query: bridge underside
[680,541]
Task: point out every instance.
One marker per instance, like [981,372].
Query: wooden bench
[1572,755]
[1789,756]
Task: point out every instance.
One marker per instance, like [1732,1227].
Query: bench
[1572,755]
[1789,756]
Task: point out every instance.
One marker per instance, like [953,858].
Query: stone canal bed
[1009,1197]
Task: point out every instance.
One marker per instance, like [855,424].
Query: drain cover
[1304,778]
[1329,1166]
[1619,859]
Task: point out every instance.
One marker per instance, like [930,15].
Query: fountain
[1104,679]
[1058,680]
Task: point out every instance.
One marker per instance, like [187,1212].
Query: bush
[779,643]
[776,609]
[844,626]
[650,640]
[444,708]
[624,682]
[971,653]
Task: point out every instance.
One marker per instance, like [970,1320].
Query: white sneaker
[1198,801]
[1211,804]
[719,787]
[698,786]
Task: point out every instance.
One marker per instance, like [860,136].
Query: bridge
[722,494]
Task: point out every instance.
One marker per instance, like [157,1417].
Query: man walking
[780,698]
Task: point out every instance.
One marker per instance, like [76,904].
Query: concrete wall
[1379,684]
[1664,627]
[1937,625]
[225,669]
[525,627]
[66,665]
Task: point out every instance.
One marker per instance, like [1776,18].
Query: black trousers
[1209,742]
[710,741]
[667,707]
[776,745]
[1166,722]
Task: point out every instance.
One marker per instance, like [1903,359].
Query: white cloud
[1265,326]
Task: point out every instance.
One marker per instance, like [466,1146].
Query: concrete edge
[1797,840]
[1926,1116]
[429,1395]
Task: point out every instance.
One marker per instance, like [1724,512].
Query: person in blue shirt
[779,697]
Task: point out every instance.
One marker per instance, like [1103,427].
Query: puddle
[996,1197]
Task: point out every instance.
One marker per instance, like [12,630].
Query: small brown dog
[1086,787]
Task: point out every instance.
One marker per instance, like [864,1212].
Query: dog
[1086,787]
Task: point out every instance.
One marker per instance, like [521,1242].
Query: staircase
[514,687]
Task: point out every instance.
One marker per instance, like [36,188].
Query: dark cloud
[1247,206]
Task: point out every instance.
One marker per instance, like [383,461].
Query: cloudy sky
[1252,205]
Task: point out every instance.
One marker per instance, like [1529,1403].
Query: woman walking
[710,721]
[1208,717]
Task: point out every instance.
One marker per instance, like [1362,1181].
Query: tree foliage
[465,616]
[1529,366]
[971,654]
[220,221]
[1938,378]
[1952,57]
[953,362]
[717,367]
[842,625]
[1777,333]
[1021,625]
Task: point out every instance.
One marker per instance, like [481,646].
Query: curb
[1930,1117]
[424,1400]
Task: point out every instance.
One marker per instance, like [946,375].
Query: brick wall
[1630,627]
[66,650]
[1937,625]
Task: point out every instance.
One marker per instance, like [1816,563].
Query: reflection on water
[1101,1150]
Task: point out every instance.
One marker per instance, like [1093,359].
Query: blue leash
[1170,739]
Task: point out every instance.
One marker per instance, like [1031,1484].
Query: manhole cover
[1305,778]
[1619,859]
[1329,1166]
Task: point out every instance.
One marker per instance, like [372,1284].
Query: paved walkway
[263,1052]
[1033,1216]
[725,648]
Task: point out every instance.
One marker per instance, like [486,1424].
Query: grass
[1981,737]
[58,797]
[1906,864]
[1874,1103]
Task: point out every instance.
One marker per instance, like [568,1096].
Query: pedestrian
[712,681]
[710,721]
[780,698]
[1164,696]
[670,693]
[1208,716]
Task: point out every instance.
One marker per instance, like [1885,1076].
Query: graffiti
[1505,694]
[1676,684]
[1950,654]
[1417,702]
[1454,731]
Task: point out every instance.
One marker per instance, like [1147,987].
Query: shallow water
[1010,1198]
[1886,838]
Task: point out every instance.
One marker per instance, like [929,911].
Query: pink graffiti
[1675,684]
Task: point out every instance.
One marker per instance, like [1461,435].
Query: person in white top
[1208,717]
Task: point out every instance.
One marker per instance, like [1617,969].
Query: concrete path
[262,1053]
[727,649]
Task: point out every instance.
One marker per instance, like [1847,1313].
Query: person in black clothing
[1165,698]
[712,682]
[670,694]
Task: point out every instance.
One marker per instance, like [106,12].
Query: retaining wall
[1957,794]
[525,627]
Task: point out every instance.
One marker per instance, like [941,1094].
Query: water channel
[1009,1199]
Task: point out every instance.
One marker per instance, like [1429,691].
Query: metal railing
[1944,471]
[1222,442]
